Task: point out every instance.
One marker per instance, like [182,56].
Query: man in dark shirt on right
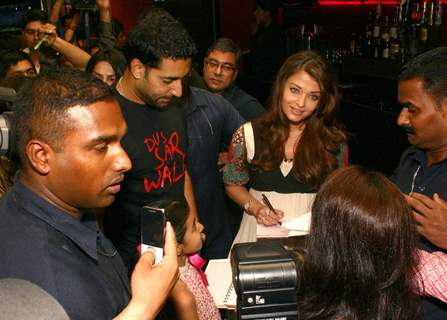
[422,169]
[220,69]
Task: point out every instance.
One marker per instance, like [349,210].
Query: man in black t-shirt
[159,57]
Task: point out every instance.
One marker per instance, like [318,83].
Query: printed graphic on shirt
[170,160]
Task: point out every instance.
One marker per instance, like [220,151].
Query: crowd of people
[103,128]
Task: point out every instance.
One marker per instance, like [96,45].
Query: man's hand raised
[431,216]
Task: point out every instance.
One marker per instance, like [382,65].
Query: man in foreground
[68,130]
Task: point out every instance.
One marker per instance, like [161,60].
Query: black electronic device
[265,277]
[153,222]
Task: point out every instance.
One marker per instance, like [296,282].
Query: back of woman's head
[360,250]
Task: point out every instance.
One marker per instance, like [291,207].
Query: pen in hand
[269,205]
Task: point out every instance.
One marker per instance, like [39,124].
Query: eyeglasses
[214,64]
[32,32]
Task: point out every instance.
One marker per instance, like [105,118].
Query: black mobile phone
[153,222]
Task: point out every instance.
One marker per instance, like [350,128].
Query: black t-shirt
[156,144]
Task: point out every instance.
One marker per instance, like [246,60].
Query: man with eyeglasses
[220,71]
[32,21]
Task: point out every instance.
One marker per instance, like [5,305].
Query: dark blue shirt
[414,174]
[211,122]
[248,107]
[68,258]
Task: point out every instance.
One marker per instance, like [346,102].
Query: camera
[7,99]
[266,281]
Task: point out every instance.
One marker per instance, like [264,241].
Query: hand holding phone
[153,222]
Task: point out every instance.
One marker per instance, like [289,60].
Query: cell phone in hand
[153,222]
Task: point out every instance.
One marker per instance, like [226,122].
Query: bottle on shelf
[395,24]
[413,41]
[386,46]
[377,35]
[377,21]
[438,15]
[423,28]
[385,29]
[360,46]
[376,54]
[369,26]
[352,44]
[395,50]
[431,14]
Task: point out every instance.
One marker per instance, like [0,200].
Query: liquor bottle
[385,30]
[395,50]
[377,20]
[369,26]
[360,46]
[386,48]
[352,44]
[438,16]
[405,12]
[376,50]
[423,29]
[413,41]
[431,14]
[376,54]
[395,24]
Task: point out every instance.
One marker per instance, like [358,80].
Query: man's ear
[39,155]
[137,69]
[235,75]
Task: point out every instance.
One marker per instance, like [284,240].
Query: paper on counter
[294,227]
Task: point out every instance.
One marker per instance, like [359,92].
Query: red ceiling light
[355,2]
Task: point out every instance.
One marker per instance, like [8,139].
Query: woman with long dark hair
[361,254]
[287,152]
[107,65]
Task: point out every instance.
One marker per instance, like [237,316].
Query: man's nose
[123,162]
[218,70]
[177,88]
[402,119]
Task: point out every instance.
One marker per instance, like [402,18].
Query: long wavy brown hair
[360,260]
[316,153]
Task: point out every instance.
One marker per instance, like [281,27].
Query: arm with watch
[236,176]
[254,207]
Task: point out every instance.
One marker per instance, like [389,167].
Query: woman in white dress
[287,153]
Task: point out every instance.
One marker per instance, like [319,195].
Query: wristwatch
[247,205]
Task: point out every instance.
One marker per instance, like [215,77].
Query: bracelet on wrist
[247,205]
